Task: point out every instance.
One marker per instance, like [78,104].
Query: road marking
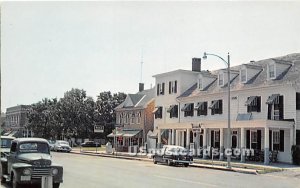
[186,181]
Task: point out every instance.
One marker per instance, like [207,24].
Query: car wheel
[154,161]
[186,164]
[170,163]
[15,184]
[56,185]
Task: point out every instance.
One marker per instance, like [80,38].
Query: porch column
[266,161]
[177,137]
[222,144]
[188,138]
[292,140]
[173,136]
[182,138]
[170,137]
[243,146]
[159,137]
[204,143]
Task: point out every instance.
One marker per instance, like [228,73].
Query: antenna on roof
[142,66]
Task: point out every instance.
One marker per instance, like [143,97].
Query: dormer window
[271,71]
[200,84]
[221,79]
[243,75]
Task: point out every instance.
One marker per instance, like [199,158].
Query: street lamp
[228,86]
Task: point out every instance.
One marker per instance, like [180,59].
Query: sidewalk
[248,168]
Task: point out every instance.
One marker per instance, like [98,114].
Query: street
[93,172]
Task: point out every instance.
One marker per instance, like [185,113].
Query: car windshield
[5,143]
[34,147]
[63,142]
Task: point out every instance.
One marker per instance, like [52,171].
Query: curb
[196,165]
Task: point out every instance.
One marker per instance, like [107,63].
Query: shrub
[296,154]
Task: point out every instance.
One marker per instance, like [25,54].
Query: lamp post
[228,87]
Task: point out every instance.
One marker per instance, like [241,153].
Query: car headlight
[54,171]
[27,171]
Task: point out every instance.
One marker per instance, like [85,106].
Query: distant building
[16,121]
[134,119]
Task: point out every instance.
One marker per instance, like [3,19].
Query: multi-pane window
[139,117]
[200,84]
[132,118]
[173,110]
[221,79]
[188,109]
[120,119]
[271,71]
[254,136]
[201,108]
[243,75]
[216,107]
[254,104]
[276,140]
[160,89]
[173,87]
[158,112]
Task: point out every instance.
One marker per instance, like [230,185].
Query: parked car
[61,145]
[51,144]
[90,144]
[29,159]
[5,145]
[173,155]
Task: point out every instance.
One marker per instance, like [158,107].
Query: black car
[173,155]
[90,144]
[28,161]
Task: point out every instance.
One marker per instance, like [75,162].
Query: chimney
[141,87]
[196,64]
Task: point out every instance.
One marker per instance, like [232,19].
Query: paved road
[94,172]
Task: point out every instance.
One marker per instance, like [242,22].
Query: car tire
[186,164]
[154,161]
[170,163]
[56,185]
[15,184]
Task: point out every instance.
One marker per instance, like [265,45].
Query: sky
[48,48]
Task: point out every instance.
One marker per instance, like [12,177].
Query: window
[173,87]
[188,109]
[139,117]
[216,107]
[132,118]
[278,140]
[158,89]
[254,104]
[126,118]
[271,71]
[201,108]
[173,110]
[162,89]
[276,112]
[221,79]
[13,147]
[200,84]
[298,101]
[253,136]
[243,75]
[120,119]
[158,112]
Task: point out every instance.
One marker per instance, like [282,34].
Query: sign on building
[98,129]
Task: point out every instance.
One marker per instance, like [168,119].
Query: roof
[176,72]
[291,74]
[138,100]
[7,137]
[30,140]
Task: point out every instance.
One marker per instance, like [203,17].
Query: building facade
[134,119]
[265,107]
[16,121]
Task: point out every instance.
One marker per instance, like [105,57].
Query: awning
[125,133]
[155,133]
[170,108]
[250,100]
[244,117]
[199,105]
[117,134]
[155,110]
[214,104]
[131,133]
[186,107]
[272,99]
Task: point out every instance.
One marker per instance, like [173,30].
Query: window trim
[246,76]
[274,71]
[219,76]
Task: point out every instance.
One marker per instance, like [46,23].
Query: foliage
[74,115]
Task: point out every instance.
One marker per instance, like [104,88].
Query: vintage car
[28,162]
[173,155]
[5,145]
[61,145]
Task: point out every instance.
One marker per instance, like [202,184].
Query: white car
[61,145]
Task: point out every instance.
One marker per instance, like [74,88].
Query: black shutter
[158,89]
[259,139]
[248,139]
[184,137]
[281,144]
[258,104]
[191,137]
[221,106]
[163,88]
[269,111]
[270,140]
[205,108]
[175,89]
[212,139]
[201,140]
[281,107]
[170,87]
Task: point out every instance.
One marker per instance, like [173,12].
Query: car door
[12,157]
